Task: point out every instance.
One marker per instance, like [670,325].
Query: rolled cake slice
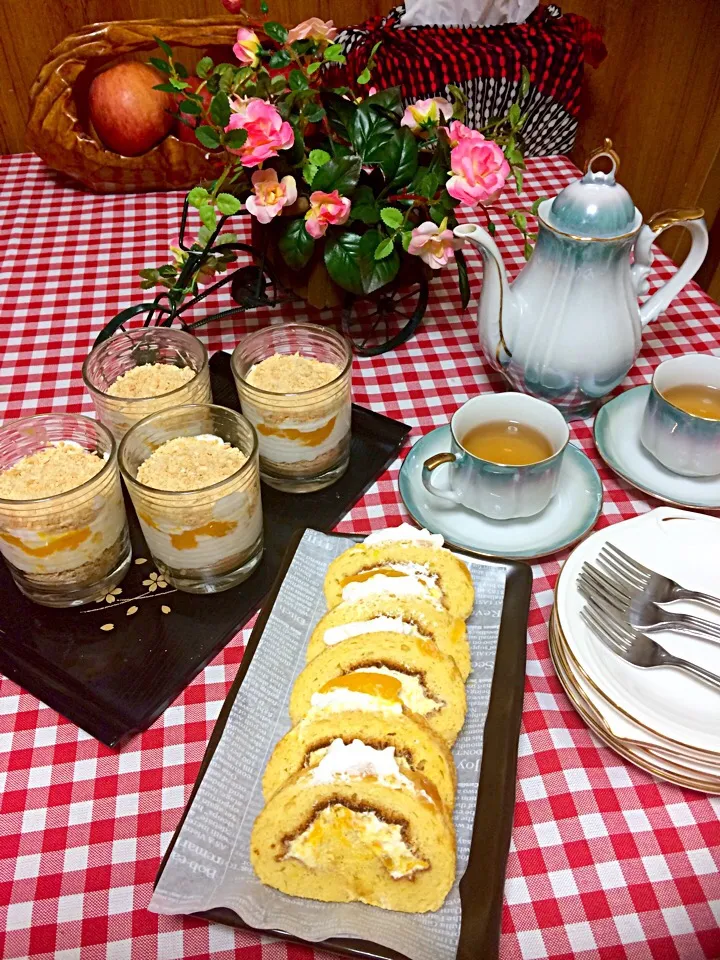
[418,749]
[357,828]
[404,562]
[430,683]
[386,612]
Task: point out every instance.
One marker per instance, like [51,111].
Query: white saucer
[568,517]
[617,438]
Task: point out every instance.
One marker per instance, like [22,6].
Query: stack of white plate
[660,718]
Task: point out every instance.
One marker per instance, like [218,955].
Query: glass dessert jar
[140,372]
[294,383]
[63,529]
[192,473]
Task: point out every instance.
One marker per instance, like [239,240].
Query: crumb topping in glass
[190,463]
[150,380]
[291,373]
[45,473]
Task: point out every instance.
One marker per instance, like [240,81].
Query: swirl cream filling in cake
[360,690]
[344,631]
[402,579]
[412,691]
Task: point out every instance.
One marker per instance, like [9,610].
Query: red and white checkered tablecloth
[605,862]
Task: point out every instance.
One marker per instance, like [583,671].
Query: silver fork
[636,647]
[653,585]
[596,584]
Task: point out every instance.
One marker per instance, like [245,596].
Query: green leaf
[364,206]
[398,158]
[341,174]
[341,259]
[370,132]
[279,59]
[220,109]
[235,139]
[319,157]
[165,87]
[384,249]
[536,206]
[520,221]
[333,51]
[340,112]
[392,217]
[514,114]
[308,171]
[150,274]
[178,85]
[313,67]
[295,155]
[208,137]
[528,250]
[205,65]
[165,47]
[227,204]
[278,83]
[276,31]
[406,238]
[375,273]
[463,281]
[190,106]
[296,245]
[298,80]
[181,70]
[518,177]
[167,271]
[364,77]
[313,112]
[427,182]
[457,93]
[375,49]
[524,81]
[389,99]
[162,65]
[197,196]
[207,216]
[264,7]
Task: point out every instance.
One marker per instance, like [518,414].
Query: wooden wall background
[657,95]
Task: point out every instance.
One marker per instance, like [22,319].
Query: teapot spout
[494,296]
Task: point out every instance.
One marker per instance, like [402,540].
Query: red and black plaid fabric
[486,64]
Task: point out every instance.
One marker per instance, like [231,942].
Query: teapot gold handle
[694,223]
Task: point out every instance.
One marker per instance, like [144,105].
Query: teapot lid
[596,206]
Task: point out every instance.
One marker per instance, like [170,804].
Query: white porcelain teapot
[569,327]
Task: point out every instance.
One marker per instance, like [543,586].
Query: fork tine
[622,633]
[590,588]
[636,566]
[600,632]
[614,569]
[609,584]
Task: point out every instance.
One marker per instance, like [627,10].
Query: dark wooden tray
[481,888]
[116,682]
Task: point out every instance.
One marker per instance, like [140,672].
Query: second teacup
[502,490]
[681,424]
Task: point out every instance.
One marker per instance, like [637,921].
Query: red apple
[180,129]
[128,115]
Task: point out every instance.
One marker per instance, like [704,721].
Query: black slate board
[116,683]
[483,884]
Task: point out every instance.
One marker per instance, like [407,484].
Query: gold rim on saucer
[601,693]
[618,746]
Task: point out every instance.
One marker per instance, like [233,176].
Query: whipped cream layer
[346,761]
[412,694]
[58,551]
[295,440]
[232,529]
[416,581]
[340,698]
[406,533]
[345,631]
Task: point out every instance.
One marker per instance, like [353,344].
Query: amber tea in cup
[507,442]
[695,398]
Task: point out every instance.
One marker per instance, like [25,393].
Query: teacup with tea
[681,423]
[504,458]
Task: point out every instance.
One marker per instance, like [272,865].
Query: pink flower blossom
[478,171]
[233,6]
[458,132]
[267,131]
[326,209]
[434,244]
[247,47]
[425,114]
[269,195]
[313,29]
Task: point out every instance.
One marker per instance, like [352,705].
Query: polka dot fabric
[606,863]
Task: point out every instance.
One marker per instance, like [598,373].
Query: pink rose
[458,131]
[326,209]
[269,195]
[478,171]
[267,132]
[425,114]
[314,28]
[247,47]
[434,244]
